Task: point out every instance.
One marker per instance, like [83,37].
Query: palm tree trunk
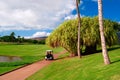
[103,43]
[78,12]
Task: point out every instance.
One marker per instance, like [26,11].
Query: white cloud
[38,34]
[33,14]
[81,2]
[83,8]
[41,34]
[72,17]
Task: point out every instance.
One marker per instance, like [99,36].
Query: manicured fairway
[28,53]
[90,67]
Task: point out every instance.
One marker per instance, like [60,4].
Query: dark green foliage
[78,1]
[116,26]
[34,41]
[118,34]
[20,40]
[41,42]
[5,38]
[110,29]
[8,38]
[12,37]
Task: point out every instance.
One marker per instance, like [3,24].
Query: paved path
[23,73]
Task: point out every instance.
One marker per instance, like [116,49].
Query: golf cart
[49,55]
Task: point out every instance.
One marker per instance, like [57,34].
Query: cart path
[25,72]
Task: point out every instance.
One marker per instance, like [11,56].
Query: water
[9,58]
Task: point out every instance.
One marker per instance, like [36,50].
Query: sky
[38,18]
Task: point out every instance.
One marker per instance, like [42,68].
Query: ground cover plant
[90,67]
[28,53]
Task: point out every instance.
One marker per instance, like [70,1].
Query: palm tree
[12,36]
[79,24]
[101,27]
[19,39]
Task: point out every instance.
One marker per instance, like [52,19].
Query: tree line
[19,39]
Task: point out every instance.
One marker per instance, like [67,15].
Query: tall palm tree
[101,27]
[79,24]
[12,36]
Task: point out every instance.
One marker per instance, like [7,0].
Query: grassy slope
[90,67]
[28,53]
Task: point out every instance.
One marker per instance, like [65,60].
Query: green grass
[90,67]
[28,53]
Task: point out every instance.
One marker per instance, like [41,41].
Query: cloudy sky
[37,18]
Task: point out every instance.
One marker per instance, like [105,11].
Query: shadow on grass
[114,48]
[115,61]
[98,51]
[60,58]
[111,49]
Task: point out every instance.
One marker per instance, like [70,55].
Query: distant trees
[5,38]
[19,39]
[33,41]
[66,35]
[10,38]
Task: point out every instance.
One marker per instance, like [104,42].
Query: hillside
[39,38]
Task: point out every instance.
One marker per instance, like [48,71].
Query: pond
[9,58]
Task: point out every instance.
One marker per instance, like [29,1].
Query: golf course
[27,53]
[59,39]
[90,67]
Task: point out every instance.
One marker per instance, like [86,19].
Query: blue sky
[37,18]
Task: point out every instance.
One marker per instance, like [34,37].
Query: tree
[110,40]
[5,38]
[103,42]
[79,25]
[90,34]
[22,39]
[12,37]
[12,34]
[19,39]
[66,35]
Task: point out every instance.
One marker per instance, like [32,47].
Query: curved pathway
[23,73]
